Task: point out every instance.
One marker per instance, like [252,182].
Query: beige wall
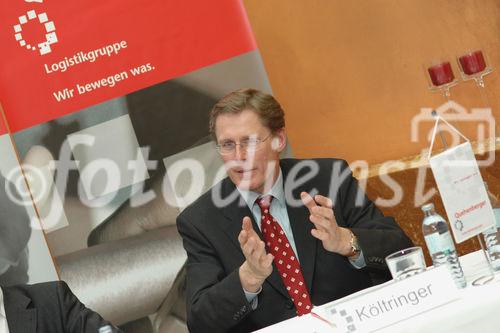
[349,73]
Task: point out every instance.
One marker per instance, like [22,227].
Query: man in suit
[45,308]
[276,237]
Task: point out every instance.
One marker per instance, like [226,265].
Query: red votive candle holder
[441,74]
[472,63]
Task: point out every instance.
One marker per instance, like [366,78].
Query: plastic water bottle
[440,244]
[492,235]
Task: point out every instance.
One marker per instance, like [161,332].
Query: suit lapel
[20,318]
[234,213]
[305,243]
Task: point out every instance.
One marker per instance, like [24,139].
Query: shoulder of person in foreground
[54,300]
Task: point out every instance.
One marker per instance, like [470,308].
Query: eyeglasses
[248,145]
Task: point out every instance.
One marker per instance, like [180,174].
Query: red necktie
[285,259]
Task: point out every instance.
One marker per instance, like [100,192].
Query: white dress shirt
[4,328]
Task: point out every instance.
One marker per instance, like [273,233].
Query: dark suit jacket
[215,298]
[48,308]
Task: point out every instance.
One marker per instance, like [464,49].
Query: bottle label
[489,231]
[497,216]
[437,242]
[493,229]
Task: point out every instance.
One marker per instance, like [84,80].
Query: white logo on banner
[33,17]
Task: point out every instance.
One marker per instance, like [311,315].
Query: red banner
[62,56]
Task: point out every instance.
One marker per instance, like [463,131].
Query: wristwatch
[355,250]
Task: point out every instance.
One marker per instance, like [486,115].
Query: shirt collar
[276,192]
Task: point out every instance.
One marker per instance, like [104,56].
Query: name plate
[396,301]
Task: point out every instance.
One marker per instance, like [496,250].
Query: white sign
[462,190]
[392,303]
